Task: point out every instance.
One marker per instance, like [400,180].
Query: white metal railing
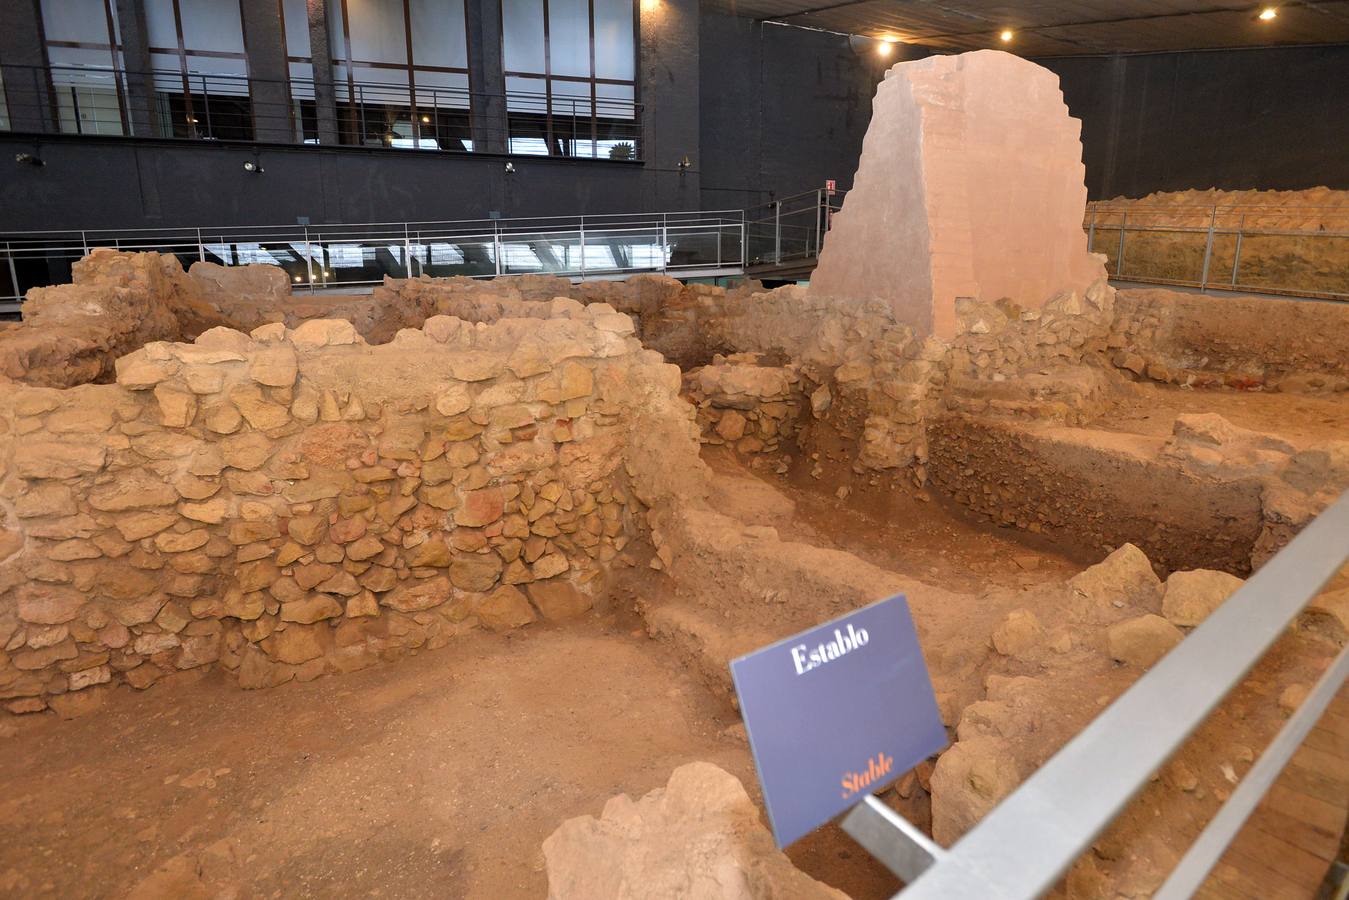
[319,257]
[1295,250]
[1029,840]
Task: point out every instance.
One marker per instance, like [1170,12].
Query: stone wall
[743,404]
[297,502]
[669,315]
[72,333]
[970,185]
[1235,342]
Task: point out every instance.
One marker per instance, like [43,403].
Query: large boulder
[1191,597]
[1125,577]
[969,780]
[1142,641]
[697,837]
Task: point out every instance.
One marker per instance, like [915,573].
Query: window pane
[442,90]
[615,53]
[338,47]
[302,81]
[61,57]
[525,95]
[85,21]
[159,22]
[377,33]
[211,25]
[522,35]
[571,98]
[296,16]
[438,37]
[167,66]
[569,37]
[209,75]
[615,101]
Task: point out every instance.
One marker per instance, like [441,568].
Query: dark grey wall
[91,182]
[117,183]
[1239,119]
[782,109]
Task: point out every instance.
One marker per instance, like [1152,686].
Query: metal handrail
[160,104]
[714,244]
[1029,840]
[1216,222]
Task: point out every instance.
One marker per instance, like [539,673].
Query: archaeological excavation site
[446,581]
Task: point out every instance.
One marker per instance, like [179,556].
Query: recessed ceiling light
[1006,36]
[1268,13]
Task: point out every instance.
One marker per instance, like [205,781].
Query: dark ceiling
[1063,27]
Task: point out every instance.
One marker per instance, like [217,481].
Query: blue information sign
[835,713]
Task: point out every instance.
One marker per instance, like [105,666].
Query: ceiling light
[1006,36]
[426,118]
[1268,13]
[884,48]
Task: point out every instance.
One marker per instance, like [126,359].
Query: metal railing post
[665,243]
[84,239]
[1236,257]
[309,259]
[206,104]
[744,244]
[1208,248]
[407,252]
[583,246]
[1119,255]
[13,272]
[496,246]
[777,232]
[201,248]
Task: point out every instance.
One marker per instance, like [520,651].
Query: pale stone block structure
[970,185]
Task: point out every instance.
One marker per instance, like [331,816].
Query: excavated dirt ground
[441,775]
[1298,418]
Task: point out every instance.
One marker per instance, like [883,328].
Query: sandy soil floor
[439,775]
[1301,419]
[442,774]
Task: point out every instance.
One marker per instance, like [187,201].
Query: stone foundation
[292,503]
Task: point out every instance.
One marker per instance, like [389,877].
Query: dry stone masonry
[295,502]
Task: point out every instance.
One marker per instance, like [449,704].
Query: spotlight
[31,159]
[1006,36]
[252,168]
[884,48]
[296,279]
[510,167]
[1268,14]
[426,120]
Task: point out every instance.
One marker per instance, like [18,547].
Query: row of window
[400,72]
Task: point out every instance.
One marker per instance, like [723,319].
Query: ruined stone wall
[1236,342]
[1212,494]
[72,333]
[669,315]
[292,503]
[746,405]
